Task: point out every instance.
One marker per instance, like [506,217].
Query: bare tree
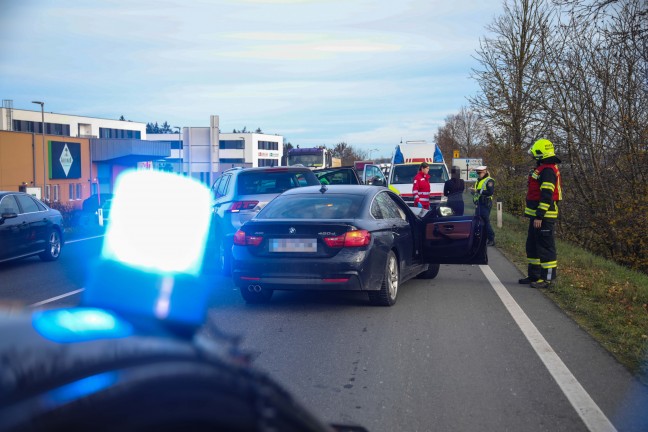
[464,131]
[596,100]
[510,79]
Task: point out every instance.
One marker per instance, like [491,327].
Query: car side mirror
[8,215]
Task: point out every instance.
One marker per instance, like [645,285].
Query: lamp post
[372,150]
[180,149]
[42,105]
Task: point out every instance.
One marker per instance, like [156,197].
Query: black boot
[526,281]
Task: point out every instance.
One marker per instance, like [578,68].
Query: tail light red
[237,206]
[242,239]
[354,238]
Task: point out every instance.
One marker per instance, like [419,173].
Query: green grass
[607,300]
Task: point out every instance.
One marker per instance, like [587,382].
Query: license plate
[293,245]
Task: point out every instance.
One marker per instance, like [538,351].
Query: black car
[362,238]
[28,227]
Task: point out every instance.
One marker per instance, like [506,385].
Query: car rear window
[274,182]
[327,206]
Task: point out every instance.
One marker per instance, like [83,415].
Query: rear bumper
[349,270]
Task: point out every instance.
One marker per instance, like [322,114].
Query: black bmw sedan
[28,227]
[347,237]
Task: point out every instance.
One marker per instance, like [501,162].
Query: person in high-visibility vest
[483,199]
[544,191]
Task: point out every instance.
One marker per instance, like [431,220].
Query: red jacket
[421,190]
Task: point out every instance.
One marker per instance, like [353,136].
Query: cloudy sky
[315,71]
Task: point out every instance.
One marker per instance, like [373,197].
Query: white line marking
[56,298]
[589,412]
[83,239]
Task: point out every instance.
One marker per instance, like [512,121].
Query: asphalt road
[468,351]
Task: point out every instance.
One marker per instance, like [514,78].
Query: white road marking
[589,412]
[56,298]
[82,239]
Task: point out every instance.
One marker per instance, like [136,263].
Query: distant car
[342,237]
[239,194]
[369,174]
[401,177]
[103,213]
[28,227]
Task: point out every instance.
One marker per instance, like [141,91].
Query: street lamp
[181,148]
[42,105]
[372,150]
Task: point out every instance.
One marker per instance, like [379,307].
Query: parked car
[239,194]
[360,238]
[103,213]
[28,227]
[369,174]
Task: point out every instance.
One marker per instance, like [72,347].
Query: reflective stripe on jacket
[544,191]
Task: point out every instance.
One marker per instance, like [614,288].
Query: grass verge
[607,300]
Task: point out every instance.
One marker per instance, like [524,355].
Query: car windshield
[404,174]
[313,207]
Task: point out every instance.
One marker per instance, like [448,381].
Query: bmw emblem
[292,230]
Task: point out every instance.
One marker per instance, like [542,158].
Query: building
[194,151]
[75,158]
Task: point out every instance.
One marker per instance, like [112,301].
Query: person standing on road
[483,199]
[543,193]
[453,189]
[421,187]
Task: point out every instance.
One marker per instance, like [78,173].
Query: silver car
[239,194]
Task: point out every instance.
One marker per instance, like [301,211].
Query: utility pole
[42,105]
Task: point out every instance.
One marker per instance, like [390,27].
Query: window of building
[57,193]
[268,145]
[47,192]
[231,160]
[119,133]
[232,144]
[36,127]
[79,191]
[71,191]
[268,162]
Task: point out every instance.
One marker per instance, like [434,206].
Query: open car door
[454,239]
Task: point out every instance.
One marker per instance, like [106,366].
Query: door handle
[448,227]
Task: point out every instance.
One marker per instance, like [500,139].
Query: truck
[405,165]
[313,158]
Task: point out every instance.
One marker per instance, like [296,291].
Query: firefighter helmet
[542,149]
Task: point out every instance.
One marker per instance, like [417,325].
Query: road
[468,351]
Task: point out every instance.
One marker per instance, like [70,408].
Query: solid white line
[82,239]
[56,298]
[589,412]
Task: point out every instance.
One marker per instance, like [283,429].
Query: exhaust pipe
[254,288]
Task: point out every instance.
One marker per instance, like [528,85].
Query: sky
[318,72]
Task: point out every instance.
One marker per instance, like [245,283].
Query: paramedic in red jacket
[421,187]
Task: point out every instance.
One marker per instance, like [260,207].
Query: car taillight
[237,206]
[242,239]
[354,238]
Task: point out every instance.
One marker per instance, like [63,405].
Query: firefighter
[421,187]
[483,198]
[543,194]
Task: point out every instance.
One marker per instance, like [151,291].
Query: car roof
[3,193]
[271,169]
[336,189]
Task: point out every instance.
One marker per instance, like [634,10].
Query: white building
[20,120]
[205,152]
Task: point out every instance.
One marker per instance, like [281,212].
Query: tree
[464,131]
[510,79]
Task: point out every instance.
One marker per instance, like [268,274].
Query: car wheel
[53,246]
[260,295]
[388,292]
[431,272]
